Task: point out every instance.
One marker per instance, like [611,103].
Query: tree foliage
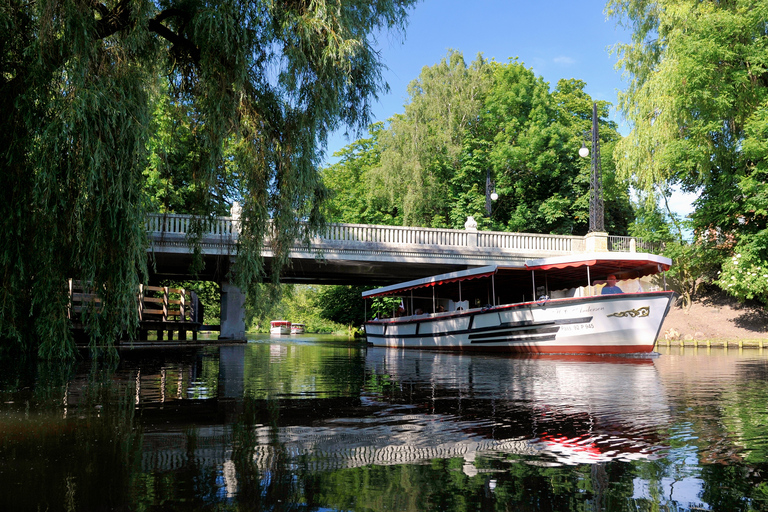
[342,304]
[698,102]
[322,309]
[430,165]
[252,86]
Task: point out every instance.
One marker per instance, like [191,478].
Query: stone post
[596,241]
[232,312]
[471,227]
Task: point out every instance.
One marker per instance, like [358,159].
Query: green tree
[342,304]
[430,165]
[542,183]
[259,86]
[697,100]
[421,149]
[350,200]
[322,309]
[175,160]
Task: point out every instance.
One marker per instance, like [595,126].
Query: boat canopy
[562,272]
[452,277]
[629,265]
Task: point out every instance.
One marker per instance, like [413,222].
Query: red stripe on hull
[553,349]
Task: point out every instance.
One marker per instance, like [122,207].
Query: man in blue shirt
[611,286]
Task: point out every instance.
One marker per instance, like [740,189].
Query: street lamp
[596,207]
[490,192]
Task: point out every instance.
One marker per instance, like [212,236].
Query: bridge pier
[232,312]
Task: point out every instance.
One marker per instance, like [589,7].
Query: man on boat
[610,287]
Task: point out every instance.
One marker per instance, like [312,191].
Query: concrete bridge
[362,253]
[356,254]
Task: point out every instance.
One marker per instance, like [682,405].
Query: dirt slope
[715,316]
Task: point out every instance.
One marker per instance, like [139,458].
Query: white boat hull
[604,324]
[280,327]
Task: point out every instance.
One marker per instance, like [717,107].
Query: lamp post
[596,206]
[490,192]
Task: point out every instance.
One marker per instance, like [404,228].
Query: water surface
[317,423]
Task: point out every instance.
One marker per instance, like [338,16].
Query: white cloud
[564,61]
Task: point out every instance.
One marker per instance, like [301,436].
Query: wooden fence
[160,309]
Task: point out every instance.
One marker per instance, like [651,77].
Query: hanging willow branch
[257,87]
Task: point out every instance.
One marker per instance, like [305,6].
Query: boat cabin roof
[559,272]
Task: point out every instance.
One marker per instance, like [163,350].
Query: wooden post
[141,302]
[183,305]
[165,303]
[69,302]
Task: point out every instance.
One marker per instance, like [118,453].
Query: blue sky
[555,38]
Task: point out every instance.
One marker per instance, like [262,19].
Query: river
[318,423]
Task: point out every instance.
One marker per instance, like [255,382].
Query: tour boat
[549,305]
[297,328]
[280,327]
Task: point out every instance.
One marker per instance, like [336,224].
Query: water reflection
[321,424]
[548,410]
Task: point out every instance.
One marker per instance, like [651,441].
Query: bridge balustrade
[394,235]
[526,241]
[180,224]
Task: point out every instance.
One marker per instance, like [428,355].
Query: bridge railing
[393,235]
[526,241]
[181,224]
[633,244]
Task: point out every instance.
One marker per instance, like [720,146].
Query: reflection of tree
[744,416]
[502,484]
[734,487]
[271,484]
[58,454]
[320,371]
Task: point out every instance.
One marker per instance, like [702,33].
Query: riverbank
[716,319]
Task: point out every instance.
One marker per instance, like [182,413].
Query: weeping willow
[263,81]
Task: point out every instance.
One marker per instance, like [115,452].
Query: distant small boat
[297,328]
[280,327]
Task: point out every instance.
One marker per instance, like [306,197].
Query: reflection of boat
[280,327]
[566,318]
[419,406]
[297,328]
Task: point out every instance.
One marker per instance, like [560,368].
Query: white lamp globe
[494,196]
[583,152]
